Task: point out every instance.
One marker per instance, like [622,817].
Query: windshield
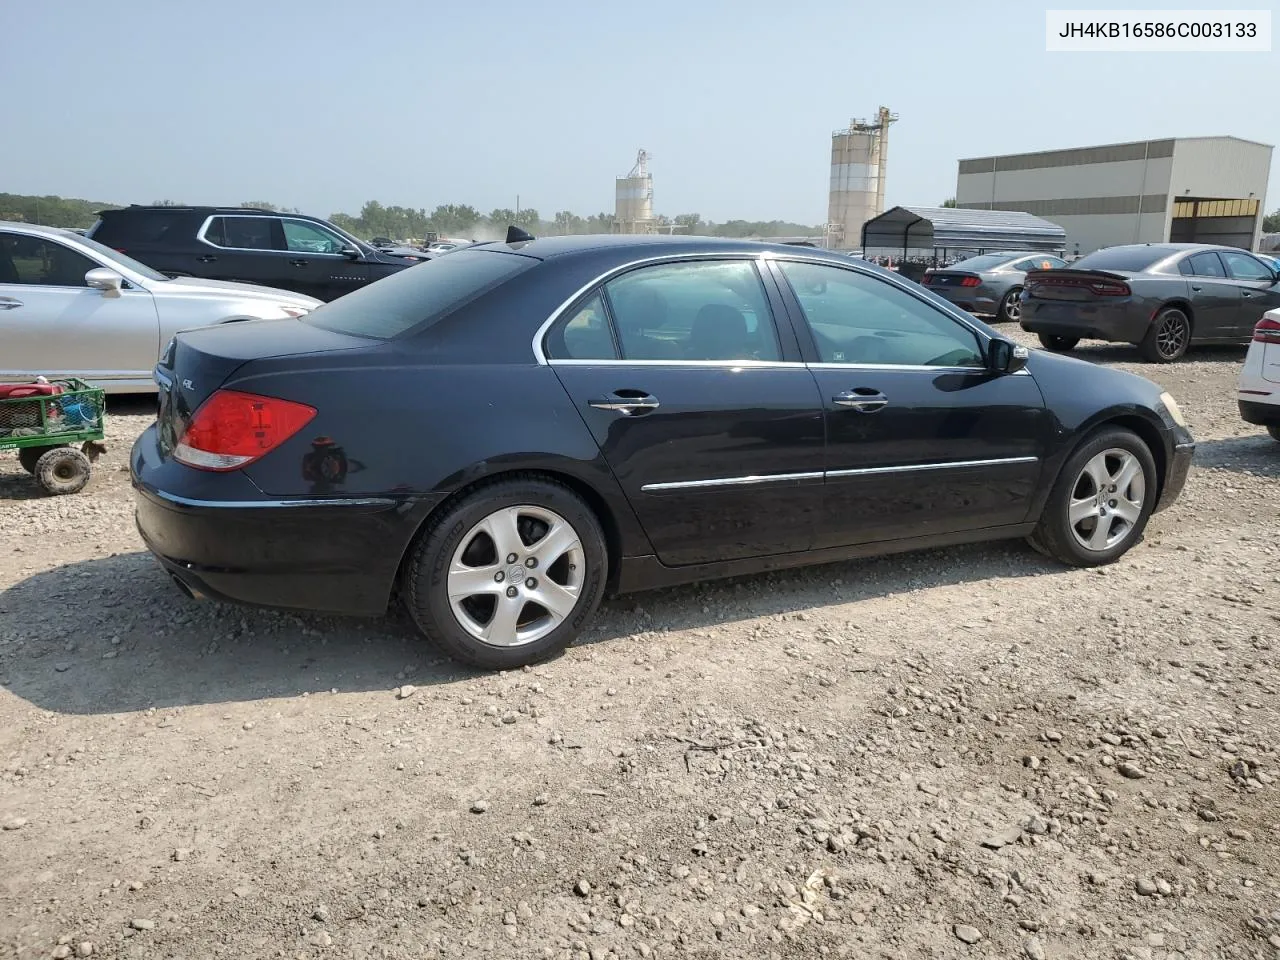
[115,256]
[418,295]
[1120,258]
[985,262]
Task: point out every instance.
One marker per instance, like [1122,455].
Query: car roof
[1168,248]
[168,208]
[36,228]
[657,245]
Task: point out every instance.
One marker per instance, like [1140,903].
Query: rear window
[419,295]
[986,261]
[1120,258]
[141,226]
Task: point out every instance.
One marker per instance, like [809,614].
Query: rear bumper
[970,299]
[1261,414]
[331,555]
[1116,323]
[1176,478]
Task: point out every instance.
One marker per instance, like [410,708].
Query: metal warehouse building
[1199,189]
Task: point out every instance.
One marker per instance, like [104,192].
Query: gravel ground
[962,753]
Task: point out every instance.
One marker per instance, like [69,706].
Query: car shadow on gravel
[1101,352]
[1257,455]
[113,635]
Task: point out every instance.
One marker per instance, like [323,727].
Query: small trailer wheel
[63,470]
[30,456]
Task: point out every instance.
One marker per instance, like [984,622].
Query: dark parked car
[284,250]
[506,432]
[990,283]
[1164,297]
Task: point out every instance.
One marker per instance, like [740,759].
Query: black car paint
[426,420]
[1221,309]
[179,252]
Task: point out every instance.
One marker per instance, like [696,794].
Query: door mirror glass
[1005,356]
[108,281]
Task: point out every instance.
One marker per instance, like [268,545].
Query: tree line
[401,223]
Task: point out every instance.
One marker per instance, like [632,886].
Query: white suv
[1260,379]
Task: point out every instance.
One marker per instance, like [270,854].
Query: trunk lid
[1076,285]
[197,362]
[951,278]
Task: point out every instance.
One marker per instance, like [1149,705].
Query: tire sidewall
[427,587]
[1153,351]
[1060,498]
[51,460]
[1003,312]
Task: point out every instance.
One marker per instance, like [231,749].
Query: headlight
[296,312]
[1175,412]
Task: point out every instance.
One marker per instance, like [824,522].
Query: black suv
[286,250]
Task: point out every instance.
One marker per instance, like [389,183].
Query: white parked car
[71,307]
[1260,379]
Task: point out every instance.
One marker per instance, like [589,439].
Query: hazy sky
[323,104]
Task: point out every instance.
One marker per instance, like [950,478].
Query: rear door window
[244,233]
[1206,264]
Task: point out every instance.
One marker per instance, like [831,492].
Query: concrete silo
[859,157]
[633,205]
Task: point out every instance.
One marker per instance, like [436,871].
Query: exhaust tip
[185,588]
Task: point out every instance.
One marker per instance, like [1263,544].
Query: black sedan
[1163,297]
[990,283]
[502,435]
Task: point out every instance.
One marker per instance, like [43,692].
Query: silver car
[990,283]
[71,307]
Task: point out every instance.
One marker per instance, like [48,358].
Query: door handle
[627,402]
[1246,294]
[8,303]
[1196,288]
[863,400]
[299,263]
[207,258]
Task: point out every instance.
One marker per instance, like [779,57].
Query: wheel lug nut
[531,583]
[1112,503]
[512,558]
[531,563]
[511,592]
[499,577]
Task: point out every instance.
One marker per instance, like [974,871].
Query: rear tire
[1168,337]
[1010,310]
[30,456]
[1051,341]
[469,597]
[63,470]
[1087,524]
[1274,430]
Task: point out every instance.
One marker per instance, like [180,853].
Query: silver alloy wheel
[1013,306]
[1107,499]
[516,575]
[1171,337]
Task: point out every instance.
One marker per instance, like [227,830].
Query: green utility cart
[57,428]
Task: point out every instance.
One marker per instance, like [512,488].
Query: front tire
[1051,341]
[1168,338]
[468,595]
[1010,310]
[1101,502]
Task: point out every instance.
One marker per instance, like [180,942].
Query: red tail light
[1267,331]
[231,429]
[970,282]
[928,275]
[1104,288]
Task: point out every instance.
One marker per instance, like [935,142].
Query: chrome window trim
[541,334]
[828,474]
[949,310]
[677,363]
[200,235]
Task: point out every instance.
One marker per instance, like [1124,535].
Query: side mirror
[108,281]
[351,253]
[1005,356]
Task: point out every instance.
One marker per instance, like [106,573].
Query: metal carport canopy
[932,228]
